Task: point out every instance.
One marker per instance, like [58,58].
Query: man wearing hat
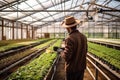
[75,50]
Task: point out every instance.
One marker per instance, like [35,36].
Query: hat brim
[71,25]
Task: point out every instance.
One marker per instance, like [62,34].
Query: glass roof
[30,15]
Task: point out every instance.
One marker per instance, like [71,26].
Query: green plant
[36,69]
[13,44]
[13,58]
[108,54]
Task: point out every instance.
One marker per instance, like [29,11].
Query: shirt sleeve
[66,54]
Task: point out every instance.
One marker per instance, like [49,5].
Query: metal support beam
[49,6]
[104,6]
[2,29]
[116,34]
[33,34]
[44,8]
[57,20]
[21,31]
[26,31]
[41,32]
[58,10]
[11,4]
[50,16]
[104,17]
[13,30]
[111,14]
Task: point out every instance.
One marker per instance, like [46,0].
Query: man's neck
[72,31]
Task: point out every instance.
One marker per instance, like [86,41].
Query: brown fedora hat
[70,21]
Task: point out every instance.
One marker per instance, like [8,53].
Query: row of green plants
[15,44]
[10,59]
[112,56]
[7,42]
[109,41]
[38,68]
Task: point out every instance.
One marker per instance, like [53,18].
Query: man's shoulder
[69,38]
[82,35]
[78,35]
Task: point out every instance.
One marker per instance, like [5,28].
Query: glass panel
[48,19]
[58,15]
[43,1]
[10,0]
[113,4]
[37,23]
[45,13]
[118,7]
[23,6]
[37,7]
[14,15]
[52,13]
[101,1]
[38,15]
[27,19]
[5,13]
[31,2]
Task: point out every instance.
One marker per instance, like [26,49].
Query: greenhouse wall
[101,31]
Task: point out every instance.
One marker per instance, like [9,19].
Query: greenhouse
[32,35]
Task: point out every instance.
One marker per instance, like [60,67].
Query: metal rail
[97,69]
[55,67]
[51,73]
[18,62]
[57,10]
[98,62]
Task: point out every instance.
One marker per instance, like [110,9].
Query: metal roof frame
[92,3]
[35,12]
[11,4]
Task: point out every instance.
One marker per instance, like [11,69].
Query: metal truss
[36,12]
[11,4]
[58,10]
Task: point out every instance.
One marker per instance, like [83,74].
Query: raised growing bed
[108,56]
[11,59]
[10,45]
[38,68]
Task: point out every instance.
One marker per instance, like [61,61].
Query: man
[75,50]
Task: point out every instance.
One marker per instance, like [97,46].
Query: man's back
[77,45]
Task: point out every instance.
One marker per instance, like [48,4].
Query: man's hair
[74,27]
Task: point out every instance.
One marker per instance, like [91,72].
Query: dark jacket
[75,52]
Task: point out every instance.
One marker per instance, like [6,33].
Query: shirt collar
[73,32]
